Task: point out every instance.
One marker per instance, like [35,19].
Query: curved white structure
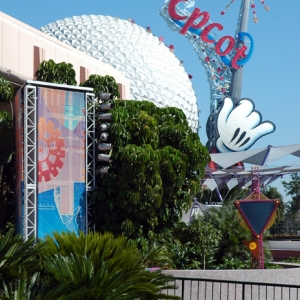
[154,72]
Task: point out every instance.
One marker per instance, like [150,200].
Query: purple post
[256,183]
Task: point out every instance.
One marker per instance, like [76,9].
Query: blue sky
[271,77]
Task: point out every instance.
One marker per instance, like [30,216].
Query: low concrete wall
[214,291]
[282,250]
[285,276]
[284,245]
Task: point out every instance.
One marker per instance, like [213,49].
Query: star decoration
[252,5]
[219,70]
[221,78]
[207,59]
[148,29]
[161,38]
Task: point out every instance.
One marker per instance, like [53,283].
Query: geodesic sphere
[154,72]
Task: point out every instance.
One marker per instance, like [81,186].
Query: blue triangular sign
[256,213]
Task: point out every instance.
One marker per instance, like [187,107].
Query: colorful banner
[61,161]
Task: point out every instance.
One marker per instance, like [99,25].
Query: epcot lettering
[238,59]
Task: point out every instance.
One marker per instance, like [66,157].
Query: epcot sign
[239,58]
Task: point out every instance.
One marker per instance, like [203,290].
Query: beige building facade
[23,48]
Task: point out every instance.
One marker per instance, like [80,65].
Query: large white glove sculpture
[241,126]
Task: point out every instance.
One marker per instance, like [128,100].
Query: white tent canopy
[259,158]
[256,157]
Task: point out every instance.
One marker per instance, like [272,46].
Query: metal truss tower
[30,163]
[29,156]
[90,156]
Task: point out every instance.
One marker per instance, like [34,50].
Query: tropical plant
[14,252]
[193,246]
[102,84]
[26,287]
[226,220]
[7,186]
[66,74]
[96,266]
[292,259]
[234,263]
[181,248]
[234,232]
[292,188]
[6,126]
[206,240]
[6,90]
[18,262]
[61,73]
[6,157]
[157,162]
[154,253]
[7,170]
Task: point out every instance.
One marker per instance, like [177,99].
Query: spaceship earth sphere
[154,72]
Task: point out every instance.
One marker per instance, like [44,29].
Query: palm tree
[96,266]
[27,287]
[18,261]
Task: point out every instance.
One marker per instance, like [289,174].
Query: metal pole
[235,90]
[252,256]
[261,253]
[256,182]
